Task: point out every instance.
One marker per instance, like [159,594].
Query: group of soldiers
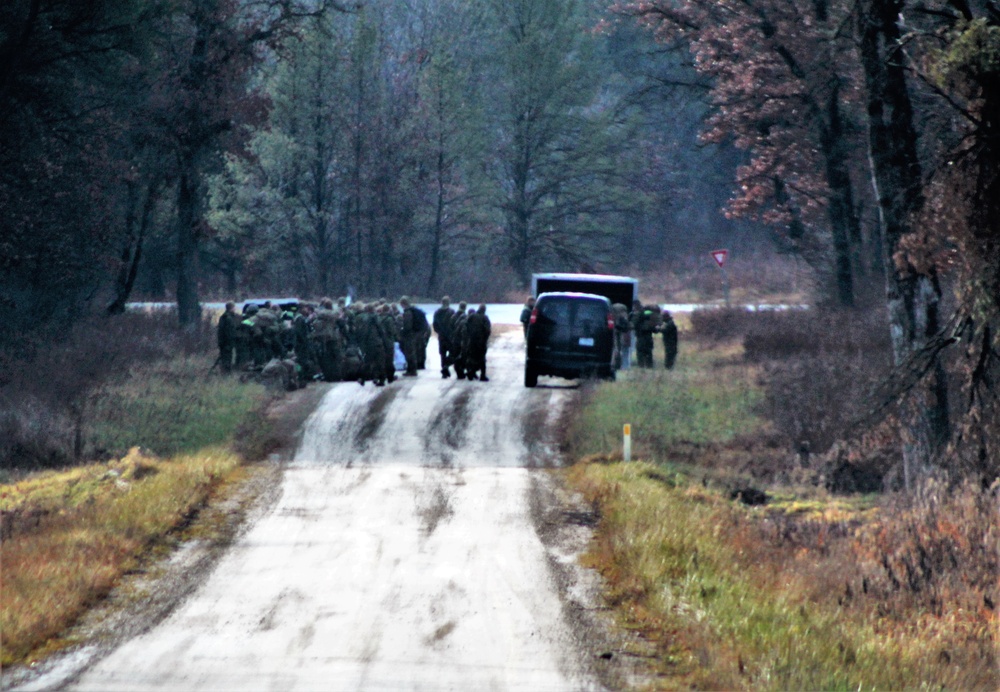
[644,321]
[340,341]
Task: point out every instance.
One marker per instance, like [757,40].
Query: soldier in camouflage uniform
[326,341]
[477,337]
[458,339]
[267,328]
[372,343]
[390,335]
[645,322]
[442,326]
[410,334]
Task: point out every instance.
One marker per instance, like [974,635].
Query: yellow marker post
[628,442]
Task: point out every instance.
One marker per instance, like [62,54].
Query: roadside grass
[171,407]
[729,605]
[811,591]
[70,535]
[166,432]
[709,396]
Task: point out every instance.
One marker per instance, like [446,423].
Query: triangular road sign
[720,256]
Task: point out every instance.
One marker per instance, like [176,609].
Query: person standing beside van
[645,321]
[669,332]
[623,337]
[529,305]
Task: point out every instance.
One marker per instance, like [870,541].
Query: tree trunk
[844,223]
[912,299]
[438,233]
[132,253]
[188,220]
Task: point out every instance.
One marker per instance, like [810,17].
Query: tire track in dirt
[373,419]
[541,418]
[448,428]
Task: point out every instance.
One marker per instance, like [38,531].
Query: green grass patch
[694,403]
[172,408]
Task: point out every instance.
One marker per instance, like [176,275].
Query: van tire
[530,376]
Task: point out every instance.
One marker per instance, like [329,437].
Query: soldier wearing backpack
[412,335]
[645,322]
[458,331]
[442,325]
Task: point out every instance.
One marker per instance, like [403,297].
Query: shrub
[50,388]
[939,550]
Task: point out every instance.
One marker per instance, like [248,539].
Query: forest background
[218,148]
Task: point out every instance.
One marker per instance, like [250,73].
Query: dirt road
[414,546]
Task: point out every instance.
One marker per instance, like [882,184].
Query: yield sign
[720,256]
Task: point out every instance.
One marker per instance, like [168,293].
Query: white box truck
[617,289]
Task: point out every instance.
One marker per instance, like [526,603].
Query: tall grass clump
[70,535]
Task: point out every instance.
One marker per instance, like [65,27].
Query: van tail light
[611,321]
[534,316]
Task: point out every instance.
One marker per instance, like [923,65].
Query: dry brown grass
[741,598]
[72,535]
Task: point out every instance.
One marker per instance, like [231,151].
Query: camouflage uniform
[644,323]
[227,339]
[390,335]
[477,337]
[267,330]
[372,343]
[623,338]
[458,340]
[442,326]
[409,335]
[327,343]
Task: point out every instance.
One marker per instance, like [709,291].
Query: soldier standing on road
[390,335]
[442,326]
[478,329]
[227,338]
[424,334]
[302,344]
[458,352]
[410,333]
[669,332]
[372,342]
[328,343]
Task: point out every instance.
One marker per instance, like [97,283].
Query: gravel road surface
[415,545]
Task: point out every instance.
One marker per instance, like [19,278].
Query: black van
[570,335]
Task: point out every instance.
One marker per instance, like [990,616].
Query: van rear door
[571,327]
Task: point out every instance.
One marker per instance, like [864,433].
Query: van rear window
[570,320]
